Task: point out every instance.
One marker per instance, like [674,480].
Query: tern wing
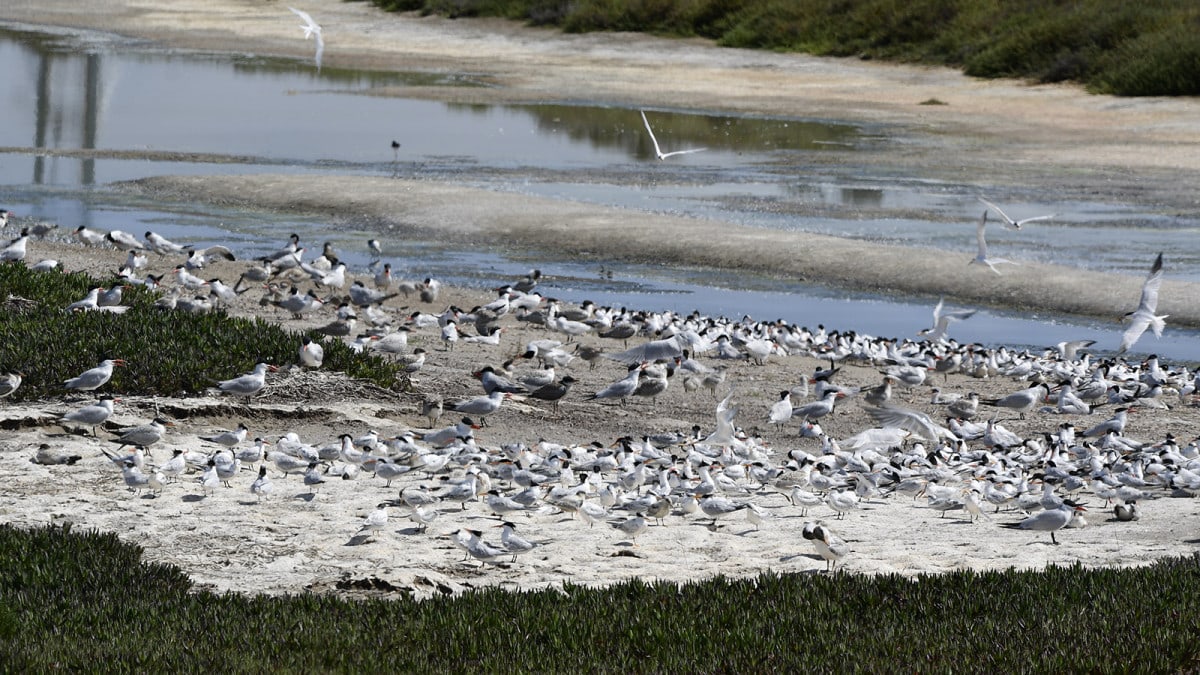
[909,420]
[1002,214]
[979,228]
[657,150]
[1149,301]
[681,152]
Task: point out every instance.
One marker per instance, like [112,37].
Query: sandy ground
[1003,132]
[305,538]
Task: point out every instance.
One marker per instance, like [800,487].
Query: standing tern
[94,378]
[1144,316]
[92,415]
[657,150]
[1050,521]
[311,30]
[1009,222]
[249,384]
[827,544]
[15,250]
[982,258]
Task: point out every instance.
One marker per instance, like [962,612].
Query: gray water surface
[143,109]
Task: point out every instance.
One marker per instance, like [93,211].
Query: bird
[942,319]
[631,526]
[480,550]
[1051,520]
[623,388]
[262,487]
[1023,401]
[313,477]
[1009,222]
[228,439]
[1144,316]
[135,479]
[91,415]
[374,522]
[94,378]
[144,435]
[658,150]
[311,30]
[373,244]
[312,354]
[10,382]
[124,241]
[161,245]
[15,250]
[982,258]
[781,410]
[513,542]
[249,384]
[827,544]
[88,236]
[481,406]
[554,392]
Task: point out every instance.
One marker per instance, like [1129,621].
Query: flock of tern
[959,459]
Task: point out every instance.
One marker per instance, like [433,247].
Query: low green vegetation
[168,352]
[1111,46]
[74,601]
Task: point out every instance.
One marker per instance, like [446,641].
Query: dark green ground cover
[1150,47]
[86,601]
[170,353]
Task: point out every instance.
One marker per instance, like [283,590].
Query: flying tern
[982,258]
[1009,222]
[311,30]
[1144,316]
[657,150]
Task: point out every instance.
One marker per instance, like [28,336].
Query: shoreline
[476,216]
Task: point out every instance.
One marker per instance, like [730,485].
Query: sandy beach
[303,538]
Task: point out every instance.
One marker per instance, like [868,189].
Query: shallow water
[250,114]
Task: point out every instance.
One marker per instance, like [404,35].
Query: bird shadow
[1191,541]
[248,502]
[358,540]
[306,496]
[410,530]
[191,499]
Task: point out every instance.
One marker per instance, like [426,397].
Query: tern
[514,543]
[15,250]
[1050,521]
[228,439]
[942,319]
[262,487]
[92,415]
[1009,222]
[10,382]
[374,522]
[94,378]
[1144,316]
[88,236]
[161,245]
[311,30]
[249,384]
[125,241]
[144,435]
[827,544]
[657,150]
[982,258]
